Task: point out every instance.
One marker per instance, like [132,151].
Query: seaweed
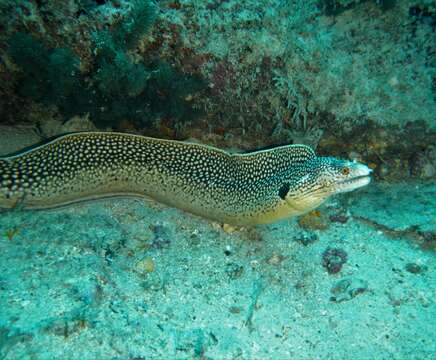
[121,76]
[336,7]
[47,75]
[169,92]
[141,18]
[117,87]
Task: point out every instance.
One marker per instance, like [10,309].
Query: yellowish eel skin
[239,189]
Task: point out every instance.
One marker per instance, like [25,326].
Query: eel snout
[353,176]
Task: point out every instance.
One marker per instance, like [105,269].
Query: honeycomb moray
[239,189]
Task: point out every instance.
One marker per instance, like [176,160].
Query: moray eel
[239,189]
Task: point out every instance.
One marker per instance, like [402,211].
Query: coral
[288,66]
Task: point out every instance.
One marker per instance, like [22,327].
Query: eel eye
[345,171]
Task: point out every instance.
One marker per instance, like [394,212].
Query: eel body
[239,189]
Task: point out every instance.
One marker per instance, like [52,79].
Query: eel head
[322,177]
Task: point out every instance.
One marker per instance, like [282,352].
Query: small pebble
[275,259]
[235,309]
[145,265]
[397,295]
[414,268]
[234,270]
[228,251]
[338,218]
[229,229]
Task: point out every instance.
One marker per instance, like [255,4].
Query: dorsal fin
[298,151]
[287,154]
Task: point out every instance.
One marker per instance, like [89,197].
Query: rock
[333,259]
[422,164]
[15,138]
[54,127]
[414,268]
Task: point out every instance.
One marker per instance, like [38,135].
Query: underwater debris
[68,325]
[314,220]
[9,338]
[306,238]
[11,233]
[333,259]
[257,289]
[348,289]
[397,295]
[234,271]
[339,218]
[422,164]
[425,239]
[160,237]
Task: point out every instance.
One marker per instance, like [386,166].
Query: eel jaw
[358,177]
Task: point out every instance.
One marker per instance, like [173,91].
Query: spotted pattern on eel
[239,189]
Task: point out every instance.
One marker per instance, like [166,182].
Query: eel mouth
[354,183]
[359,177]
